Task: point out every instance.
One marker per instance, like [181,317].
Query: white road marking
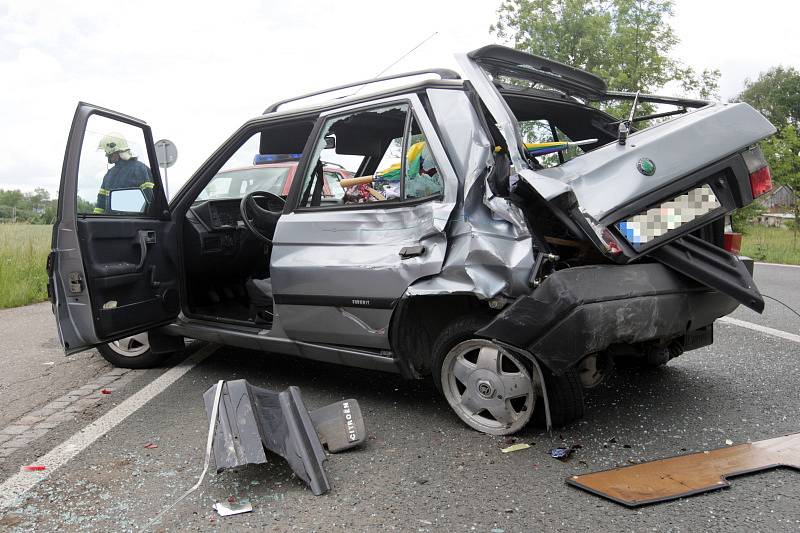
[12,489]
[763,329]
[777,265]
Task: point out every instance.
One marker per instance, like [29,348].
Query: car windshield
[230,184]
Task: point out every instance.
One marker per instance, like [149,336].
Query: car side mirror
[330,142]
[127,201]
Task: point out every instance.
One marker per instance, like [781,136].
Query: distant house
[780,200]
[775,220]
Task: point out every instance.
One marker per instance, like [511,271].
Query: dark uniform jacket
[124,174]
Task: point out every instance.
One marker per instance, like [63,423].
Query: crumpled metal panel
[504,118]
[489,248]
[607,178]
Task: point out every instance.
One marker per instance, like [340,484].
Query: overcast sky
[196,73]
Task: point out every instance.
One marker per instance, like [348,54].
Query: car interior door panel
[113,265]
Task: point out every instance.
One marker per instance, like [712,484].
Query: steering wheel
[261,219]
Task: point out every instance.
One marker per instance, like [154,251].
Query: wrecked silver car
[494,229]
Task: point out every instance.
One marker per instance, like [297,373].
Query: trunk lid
[608,179]
[502,61]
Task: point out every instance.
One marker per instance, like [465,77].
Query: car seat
[259,292]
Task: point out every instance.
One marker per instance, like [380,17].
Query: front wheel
[131,352]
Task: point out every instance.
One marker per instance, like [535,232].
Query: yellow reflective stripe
[147,185]
[104,192]
[98,210]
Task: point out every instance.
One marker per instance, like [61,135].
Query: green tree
[625,42]
[31,207]
[783,155]
[776,94]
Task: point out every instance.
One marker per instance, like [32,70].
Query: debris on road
[212,426]
[728,442]
[105,391]
[34,468]
[231,508]
[561,453]
[151,446]
[686,475]
[516,447]
[253,419]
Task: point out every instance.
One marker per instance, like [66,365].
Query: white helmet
[112,143]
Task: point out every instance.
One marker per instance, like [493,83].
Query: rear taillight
[760,177]
[612,246]
[732,242]
[760,181]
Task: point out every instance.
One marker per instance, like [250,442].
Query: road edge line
[763,329]
[777,265]
[13,488]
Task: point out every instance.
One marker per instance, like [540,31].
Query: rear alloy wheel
[488,387]
[130,352]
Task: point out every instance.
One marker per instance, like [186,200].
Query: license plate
[648,226]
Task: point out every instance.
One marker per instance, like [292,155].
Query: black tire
[137,358]
[565,396]
[459,330]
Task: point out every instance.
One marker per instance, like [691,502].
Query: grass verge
[771,245]
[23,257]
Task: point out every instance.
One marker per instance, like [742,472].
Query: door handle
[144,237]
[411,251]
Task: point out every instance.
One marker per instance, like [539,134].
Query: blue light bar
[260,159]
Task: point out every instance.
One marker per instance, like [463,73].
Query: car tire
[565,396]
[459,330]
[491,389]
[131,352]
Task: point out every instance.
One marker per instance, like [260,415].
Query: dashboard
[224,214]
[216,240]
[218,214]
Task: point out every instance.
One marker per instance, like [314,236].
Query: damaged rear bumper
[584,310]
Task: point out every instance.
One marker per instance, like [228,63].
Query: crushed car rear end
[628,236]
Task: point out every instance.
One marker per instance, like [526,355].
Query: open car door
[113,265]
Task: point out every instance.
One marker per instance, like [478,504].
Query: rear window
[544,131]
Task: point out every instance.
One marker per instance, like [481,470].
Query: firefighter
[127,172]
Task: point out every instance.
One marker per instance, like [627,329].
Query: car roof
[319,107]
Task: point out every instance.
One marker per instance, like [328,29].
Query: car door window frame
[416,112]
[159,210]
[208,170]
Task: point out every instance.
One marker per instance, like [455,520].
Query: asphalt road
[34,367]
[421,469]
